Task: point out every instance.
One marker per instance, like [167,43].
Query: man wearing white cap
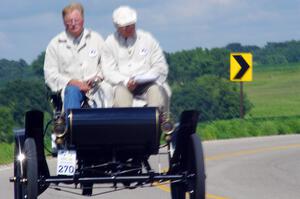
[134,64]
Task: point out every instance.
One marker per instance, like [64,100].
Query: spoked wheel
[26,171]
[193,164]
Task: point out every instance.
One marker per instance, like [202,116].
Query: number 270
[66,169]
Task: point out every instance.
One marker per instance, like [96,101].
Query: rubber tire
[194,165]
[28,190]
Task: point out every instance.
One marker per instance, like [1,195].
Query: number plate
[66,162]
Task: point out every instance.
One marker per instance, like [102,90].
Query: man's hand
[94,81]
[83,86]
[131,85]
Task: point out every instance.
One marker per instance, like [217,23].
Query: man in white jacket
[73,62]
[72,66]
[134,64]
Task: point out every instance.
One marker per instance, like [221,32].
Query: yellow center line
[166,188]
[211,196]
[251,151]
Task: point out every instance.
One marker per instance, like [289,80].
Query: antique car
[111,146]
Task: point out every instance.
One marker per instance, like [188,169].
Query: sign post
[241,101]
[241,71]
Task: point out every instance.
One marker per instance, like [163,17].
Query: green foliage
[188,65]
[21,96]
[214,97]
[37,65]
[6,125]
[225,129]
[198,80]
[21,89]
[237,47]
[6,153]
[12,70]
[275,96]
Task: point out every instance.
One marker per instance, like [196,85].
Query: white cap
[124,16]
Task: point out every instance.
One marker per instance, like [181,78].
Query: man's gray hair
[73,6]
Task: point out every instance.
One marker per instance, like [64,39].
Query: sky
[27,26]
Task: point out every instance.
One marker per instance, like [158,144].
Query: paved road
[264,168]
[6,188]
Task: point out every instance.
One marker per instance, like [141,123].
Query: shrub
[225,129]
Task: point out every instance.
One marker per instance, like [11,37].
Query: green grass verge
[222,129]
[6,153]
[225,129]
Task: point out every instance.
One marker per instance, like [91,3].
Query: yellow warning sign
[241,67]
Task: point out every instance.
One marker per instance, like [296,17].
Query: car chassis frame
[113,145]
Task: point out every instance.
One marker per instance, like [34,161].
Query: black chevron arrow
[244,66]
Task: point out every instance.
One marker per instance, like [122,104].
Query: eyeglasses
[73,21]
[131,26]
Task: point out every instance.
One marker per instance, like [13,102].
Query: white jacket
[141,55]
[65,61]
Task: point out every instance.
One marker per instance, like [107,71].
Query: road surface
[247,168]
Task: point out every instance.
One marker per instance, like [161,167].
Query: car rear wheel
[26,171]
[194,186]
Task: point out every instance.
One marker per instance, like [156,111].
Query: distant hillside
[273,53]
[19,70]
[184,65]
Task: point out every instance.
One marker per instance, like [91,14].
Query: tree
[185,66]
[214,97]
[237,47]
[38,64]
[12,70]
[23,95]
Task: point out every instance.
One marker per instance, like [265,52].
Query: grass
[275,94]
[274,91]
[224,129]
[6,153]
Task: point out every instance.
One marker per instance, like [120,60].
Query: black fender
[180,138]
[34,128]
